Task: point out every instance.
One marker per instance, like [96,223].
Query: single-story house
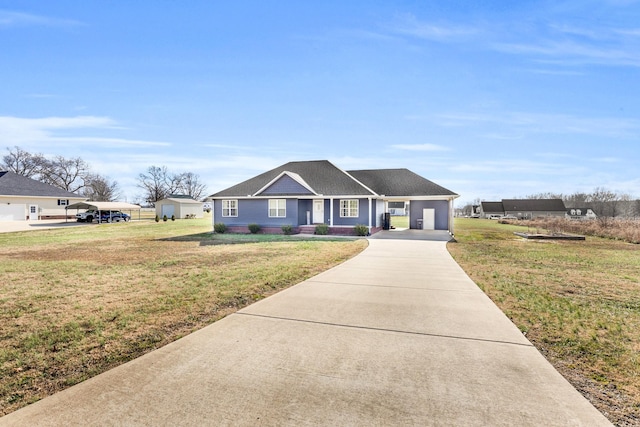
[306,193]
[23,198]
[181,207]
[525,208]
[581,214]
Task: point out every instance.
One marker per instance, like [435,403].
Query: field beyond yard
[77,301]
[578,302]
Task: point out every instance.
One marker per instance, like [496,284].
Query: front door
[318,211]
[428,219]
[33,212]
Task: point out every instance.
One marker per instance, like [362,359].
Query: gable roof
[184,200]
[12,184]
[492,207]
[322,178]
[533,205]
[320,175]
[399,182]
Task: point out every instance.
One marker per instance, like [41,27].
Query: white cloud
[409,25]
[10,18]
[419,147]
[45,132]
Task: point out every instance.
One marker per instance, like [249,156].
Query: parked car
[495,216]
[509,217]
[87,216]
[113,216]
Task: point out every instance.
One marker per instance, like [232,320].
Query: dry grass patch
[578,303]
[79,301]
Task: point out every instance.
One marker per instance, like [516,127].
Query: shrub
[254,228]
[164,218]
[219,227]
[322,229]
[361,230]
[157,218]
[173,217]
[287,229]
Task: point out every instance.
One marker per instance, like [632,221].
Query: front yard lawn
[77,301]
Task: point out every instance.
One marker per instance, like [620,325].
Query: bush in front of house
[253,228]
[322,229]
[164,218]
[287,229]
[219,227]
[361,230]
[173,217]
[157,218]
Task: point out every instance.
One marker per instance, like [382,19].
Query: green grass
[76,301]
[578,302]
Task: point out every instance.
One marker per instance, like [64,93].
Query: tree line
[75,175]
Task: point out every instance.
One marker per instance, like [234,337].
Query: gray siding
[441,212]
[256,211]
[363,213]
[286,186]
[303,207]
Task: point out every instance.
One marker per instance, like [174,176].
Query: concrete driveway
[13,226]
[398,335]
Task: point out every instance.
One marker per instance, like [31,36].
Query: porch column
[451,216]
[370,214]
[330,212]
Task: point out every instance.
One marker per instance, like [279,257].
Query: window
[277,208]
[63,202]
[349,208]
[229,208]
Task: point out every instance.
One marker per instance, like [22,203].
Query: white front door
[318,211]
[33,212]
[428,219]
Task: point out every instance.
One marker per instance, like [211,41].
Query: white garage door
[13,212]
[168,210]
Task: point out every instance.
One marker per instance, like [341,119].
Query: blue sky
[491,99]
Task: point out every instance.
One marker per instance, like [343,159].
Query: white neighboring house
[23,198]
[581,214]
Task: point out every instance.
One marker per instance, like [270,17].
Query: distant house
[303,194]
[180,207]
[23,198]
[580,213]
[525,208]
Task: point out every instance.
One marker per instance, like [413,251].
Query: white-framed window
[229,208]
[63,202]
[277,208]
[349,208]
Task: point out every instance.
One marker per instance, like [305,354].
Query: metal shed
[179,207]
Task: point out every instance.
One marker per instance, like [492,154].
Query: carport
[105,207]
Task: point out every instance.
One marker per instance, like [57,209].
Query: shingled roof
[321,175]
[399,182]
[533,205]
[12,184]
[325,179]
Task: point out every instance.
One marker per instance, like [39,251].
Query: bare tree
[68,174]
[23,163]
[190,185]
[156,183]
[100,188]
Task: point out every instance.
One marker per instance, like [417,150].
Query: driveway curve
[398,335]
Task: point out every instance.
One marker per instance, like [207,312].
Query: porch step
[307,229]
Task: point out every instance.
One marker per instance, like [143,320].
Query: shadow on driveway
[408,234]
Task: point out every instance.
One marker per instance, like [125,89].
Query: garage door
[13,212]
[168,210]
